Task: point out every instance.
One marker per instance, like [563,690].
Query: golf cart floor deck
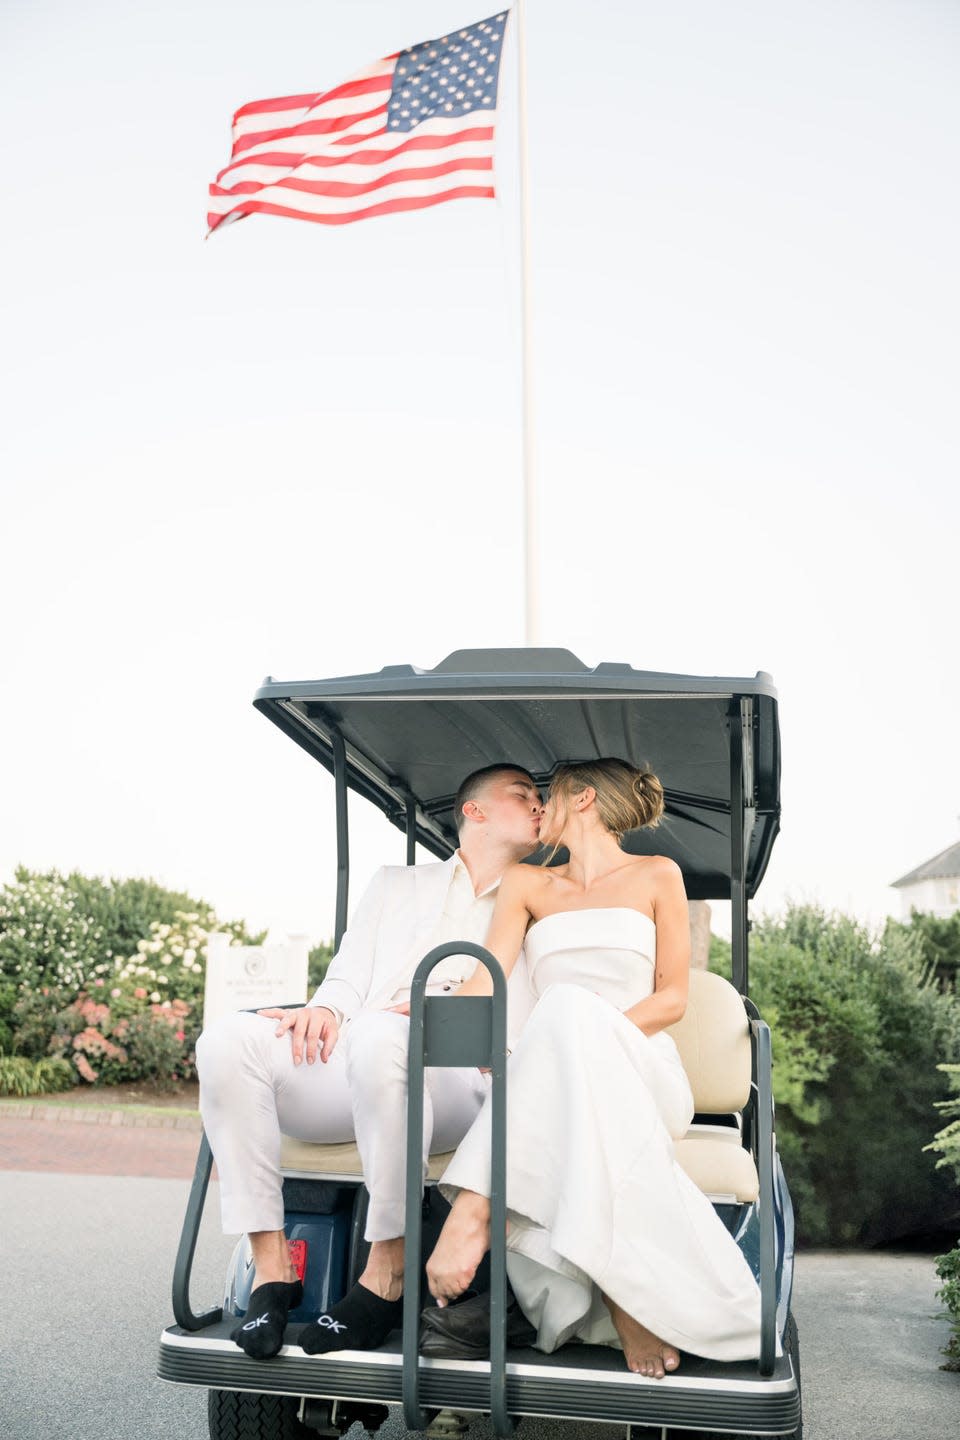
[586,1382]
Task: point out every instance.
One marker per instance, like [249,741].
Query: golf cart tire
[240,1415]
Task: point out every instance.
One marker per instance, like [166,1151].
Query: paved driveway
[87,1262]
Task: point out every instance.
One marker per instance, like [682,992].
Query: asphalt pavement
[87,1262]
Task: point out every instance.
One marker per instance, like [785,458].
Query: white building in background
[933,886]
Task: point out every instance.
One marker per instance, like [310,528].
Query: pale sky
[295,450]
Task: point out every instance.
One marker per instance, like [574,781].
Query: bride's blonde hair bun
[627,798]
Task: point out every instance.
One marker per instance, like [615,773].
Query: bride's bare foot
[463,1242]
[644,1352]
[383,1273]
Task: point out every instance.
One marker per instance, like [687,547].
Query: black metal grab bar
[455,1031]
[183,1313]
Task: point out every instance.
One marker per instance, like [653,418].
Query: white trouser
[251,1093]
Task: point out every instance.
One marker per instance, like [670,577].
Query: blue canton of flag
[455,75]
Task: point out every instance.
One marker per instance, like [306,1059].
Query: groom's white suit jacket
[389,935]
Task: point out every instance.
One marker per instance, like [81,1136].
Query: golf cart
[403,739]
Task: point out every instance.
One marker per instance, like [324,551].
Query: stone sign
[251,977]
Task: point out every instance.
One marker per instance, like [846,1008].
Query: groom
[342,1073]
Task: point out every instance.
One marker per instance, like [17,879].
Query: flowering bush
[105,975]
[45,935]
[155,1042]
[169,961]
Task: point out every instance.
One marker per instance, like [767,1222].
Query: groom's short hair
[470,787]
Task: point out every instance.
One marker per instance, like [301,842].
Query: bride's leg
[644,1352]
[463,1242]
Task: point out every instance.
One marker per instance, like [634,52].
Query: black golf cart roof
[409,736]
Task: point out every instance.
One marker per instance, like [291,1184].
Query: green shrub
[948,1270]
[159,1046]
[21,1076]
[124,910]
[35,1018]
[858,1026]
[946,1142]
[318,962]
[939,941]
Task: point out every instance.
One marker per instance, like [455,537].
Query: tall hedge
[939,939]
[859,1027]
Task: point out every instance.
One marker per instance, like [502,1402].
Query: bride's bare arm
[507,929]
[669,999]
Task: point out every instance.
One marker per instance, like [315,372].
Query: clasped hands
[313,1029]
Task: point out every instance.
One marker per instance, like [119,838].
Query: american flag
[412,130]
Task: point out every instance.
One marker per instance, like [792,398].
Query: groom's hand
[310,1026]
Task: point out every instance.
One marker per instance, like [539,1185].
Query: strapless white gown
[595,1197]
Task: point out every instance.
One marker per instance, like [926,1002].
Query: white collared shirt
[465,916]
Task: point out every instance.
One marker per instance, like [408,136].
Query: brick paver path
[78,1148]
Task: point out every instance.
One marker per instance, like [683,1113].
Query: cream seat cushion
[720,1167]
[300,1157]
[713,1039]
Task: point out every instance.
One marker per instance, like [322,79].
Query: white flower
[190,955]
[155,997]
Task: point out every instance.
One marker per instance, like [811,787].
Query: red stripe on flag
[344,187]
[388,207]
[284,160]
[281,102]
[368,85]
[306,127]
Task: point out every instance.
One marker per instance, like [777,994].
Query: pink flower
[115,992]
[98,981]
[181,1035]
[140,993]
[86,1070]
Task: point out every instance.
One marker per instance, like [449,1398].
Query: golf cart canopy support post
[343,834]
[742,820]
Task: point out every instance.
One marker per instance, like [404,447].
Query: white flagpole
[530,555]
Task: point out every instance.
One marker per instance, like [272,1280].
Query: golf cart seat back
[714,1044]
[713,1039]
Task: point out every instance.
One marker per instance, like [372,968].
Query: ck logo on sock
[252,1324]
[328,1323]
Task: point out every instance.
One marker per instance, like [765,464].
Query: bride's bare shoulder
[520,879]
[657,870]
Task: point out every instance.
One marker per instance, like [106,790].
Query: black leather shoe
[461,1331]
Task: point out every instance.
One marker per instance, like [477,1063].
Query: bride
[609,1241]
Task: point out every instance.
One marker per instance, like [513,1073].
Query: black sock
[360,1321]
[261,1335]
